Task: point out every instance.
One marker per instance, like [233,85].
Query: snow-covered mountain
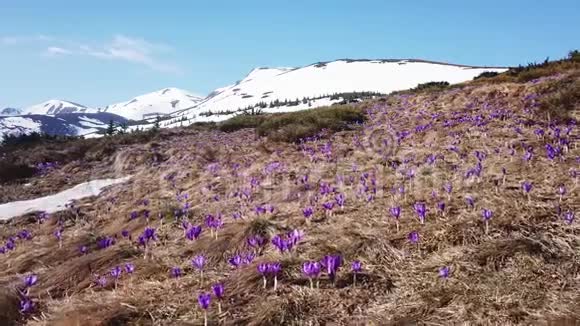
[161,102]
[53,107]
[323,79]
[69,124]
[270,89]
[7,112]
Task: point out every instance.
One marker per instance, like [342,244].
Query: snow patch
[57,202]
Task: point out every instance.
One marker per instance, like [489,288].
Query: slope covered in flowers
[446,207]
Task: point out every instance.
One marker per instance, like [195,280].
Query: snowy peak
[7,112]
[69,124]
[53,107]
[264,72]
[161,102]
[270,86]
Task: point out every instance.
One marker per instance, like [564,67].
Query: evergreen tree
[157,124]
[111,129]
[122,128]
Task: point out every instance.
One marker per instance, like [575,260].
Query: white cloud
[119,48]
[123,48]
[19,39]
[55,50]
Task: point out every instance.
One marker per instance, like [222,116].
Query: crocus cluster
[204,299]
[271,269]
[285,243]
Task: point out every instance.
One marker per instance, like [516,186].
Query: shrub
[241,121]
[486,74]
[10,171]
[291,127]
[563,104]
[574,56]
[20,140]
[430,86]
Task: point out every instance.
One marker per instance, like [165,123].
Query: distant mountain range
[269,89]
[72,124]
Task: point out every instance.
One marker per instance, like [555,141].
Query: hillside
[320,80]
[161,102]
[457,201]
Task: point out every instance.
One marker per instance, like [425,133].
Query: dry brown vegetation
[526,270]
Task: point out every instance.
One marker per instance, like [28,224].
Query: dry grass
[525,270]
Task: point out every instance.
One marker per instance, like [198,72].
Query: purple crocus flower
[262,268]
[527,186]
[441,206]
[413,237]
[561,191]
[248,258]
[218,290]
[551,152]
[332,263]
[356,266]
[10,245]
[125,233]
[116,274]
[236,261]
[101,281]
[129,268]
[569,217]
[30,280]
[328,206]
[133,215]
[487,214]
[204,300]
[295,236]
[340,200]
[274,269]
[421,211]
[448,187]
[26,305]
[149,234]
[58,234]
[395,212]
[260,209]
[470,201]
[528,156]
[311,269]
[176,272]
[84,250]
[308,212]
[280,243]
[25,235]
[198,262]
[444,272]
[106,242]
[193,232]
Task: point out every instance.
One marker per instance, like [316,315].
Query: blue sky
[101,52]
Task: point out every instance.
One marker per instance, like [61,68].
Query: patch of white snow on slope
[57,202]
